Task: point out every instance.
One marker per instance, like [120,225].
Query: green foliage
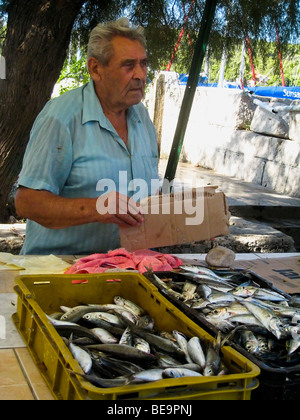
[163,21]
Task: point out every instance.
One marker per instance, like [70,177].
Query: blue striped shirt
[72,147]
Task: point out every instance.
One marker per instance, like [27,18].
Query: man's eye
[129,66]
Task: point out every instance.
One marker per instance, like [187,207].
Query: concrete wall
[228,133]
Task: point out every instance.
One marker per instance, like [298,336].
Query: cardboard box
[282,272]
[181,218]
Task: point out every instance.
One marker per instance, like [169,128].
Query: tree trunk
[38,34]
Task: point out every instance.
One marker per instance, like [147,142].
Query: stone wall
[227,132]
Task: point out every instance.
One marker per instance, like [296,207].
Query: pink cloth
[120,258]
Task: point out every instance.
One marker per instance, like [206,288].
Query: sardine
[131,306]
[82,357]
[180,373]
[183,344]
[94,317]
[151,375]
[124,352]
[141,344]
[199,270]
[213,363]
[262,343]
[104,336]
[196,352]
[189,290]
[270,321]
[102,382]
[167,288]
[293,344]
[249,342]
[127,337]
[56,322]
[247,319]
[76,313]
[145,322]
[124,313]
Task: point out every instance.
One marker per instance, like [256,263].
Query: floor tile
[37,383]
[10,371]
[15,392]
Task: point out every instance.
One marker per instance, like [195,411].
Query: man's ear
[94,69]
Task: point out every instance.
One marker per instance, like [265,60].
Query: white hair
[100,42]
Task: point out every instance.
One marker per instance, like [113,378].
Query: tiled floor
[20,379]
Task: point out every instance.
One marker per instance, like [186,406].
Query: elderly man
[86,148]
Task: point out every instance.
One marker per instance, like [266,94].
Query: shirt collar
[92,109]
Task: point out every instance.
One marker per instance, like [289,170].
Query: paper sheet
[44,264]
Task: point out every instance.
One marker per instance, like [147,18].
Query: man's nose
[140,72]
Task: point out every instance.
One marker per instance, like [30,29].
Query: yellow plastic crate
[38,295]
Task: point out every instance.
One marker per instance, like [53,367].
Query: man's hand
[119,209]
[55,212]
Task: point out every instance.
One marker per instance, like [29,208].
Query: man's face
[122,83]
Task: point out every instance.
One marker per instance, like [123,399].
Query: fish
[263,346]
[77,331]
[131,306]
[180,373]
[167,289]
[293,344]
[196,352]
[101,382]
[104,336]
[201,271]
[183,344]
[249,341]
[204,291]
[146,322]
[141,344]
[158,342]
[205,279]
[82,357]
[124,352]
[268,319]
[76,313]
[213,362]
[221,297]
[57,322]
[166,360]
[124,313]
[127,337]
[245,320]
[95,317]
[115,351]
[189,290]
[151,375]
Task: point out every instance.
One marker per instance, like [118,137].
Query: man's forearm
[54,212]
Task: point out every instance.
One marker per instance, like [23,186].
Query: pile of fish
[263,321]
[117,344]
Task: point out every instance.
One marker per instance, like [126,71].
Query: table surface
[20,379]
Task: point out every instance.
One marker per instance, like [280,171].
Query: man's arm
[55,212]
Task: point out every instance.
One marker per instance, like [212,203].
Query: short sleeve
[48,158]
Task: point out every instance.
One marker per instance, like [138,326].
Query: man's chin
[136,98]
